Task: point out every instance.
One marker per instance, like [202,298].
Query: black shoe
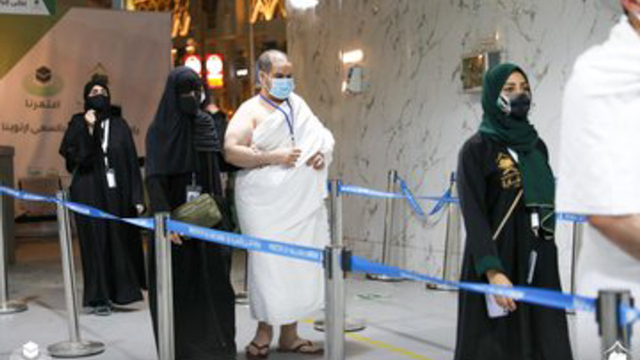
[103,310]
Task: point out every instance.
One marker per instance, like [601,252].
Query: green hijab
[522,137]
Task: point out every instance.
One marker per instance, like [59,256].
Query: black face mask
[189,104]
[516,106]
[99,103]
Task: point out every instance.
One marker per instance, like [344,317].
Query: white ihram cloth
[599,172]
[286,204]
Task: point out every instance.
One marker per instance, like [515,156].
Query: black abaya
[488,182]
[111,252]
[203,298]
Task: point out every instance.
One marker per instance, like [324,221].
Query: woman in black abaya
[184,149]
[100,153]
[506,191]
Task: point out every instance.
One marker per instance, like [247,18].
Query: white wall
[415,115]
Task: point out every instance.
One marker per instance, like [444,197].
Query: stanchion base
[440,287]
[69,349]
[349,325]
[384,278]
[242,298]
[12,307]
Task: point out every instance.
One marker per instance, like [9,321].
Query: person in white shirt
[599,168]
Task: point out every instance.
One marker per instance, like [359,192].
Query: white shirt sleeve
[599,163]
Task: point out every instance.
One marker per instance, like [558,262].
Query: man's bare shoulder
[248,109]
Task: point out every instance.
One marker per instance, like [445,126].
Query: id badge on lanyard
[111,179]
[193,190]
[111,173]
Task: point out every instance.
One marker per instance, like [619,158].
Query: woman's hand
[175,238]
[498,278]
[90,118]
[317,161]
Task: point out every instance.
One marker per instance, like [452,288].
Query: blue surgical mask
[281,88]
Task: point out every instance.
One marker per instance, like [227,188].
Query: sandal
[261,353]
[304,347]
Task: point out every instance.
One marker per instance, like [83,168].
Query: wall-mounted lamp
[353,56]
[303,4]
[242,72]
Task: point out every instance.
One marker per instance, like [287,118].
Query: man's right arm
[237,145]
[623,231]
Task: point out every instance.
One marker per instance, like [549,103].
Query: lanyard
[286,116]
[535,213]
[105,141]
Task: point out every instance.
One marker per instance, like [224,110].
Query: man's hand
[317,161]
[623,231]
[140,209]
[286,157]
[498,278]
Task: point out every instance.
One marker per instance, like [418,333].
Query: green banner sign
[28,7]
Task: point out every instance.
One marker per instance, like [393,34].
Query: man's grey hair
[266,59]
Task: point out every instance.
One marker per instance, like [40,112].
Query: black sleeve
[471,184]
[134,167]
[158,197]
[220,122]
[79,148]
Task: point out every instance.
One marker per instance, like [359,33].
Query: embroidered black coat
[489,181]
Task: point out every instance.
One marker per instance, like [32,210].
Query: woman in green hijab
[506,192]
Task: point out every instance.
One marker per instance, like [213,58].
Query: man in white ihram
[600,168]
[285,152]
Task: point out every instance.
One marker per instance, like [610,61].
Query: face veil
[169,143]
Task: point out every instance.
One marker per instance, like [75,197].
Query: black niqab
[100,115]
[169,144]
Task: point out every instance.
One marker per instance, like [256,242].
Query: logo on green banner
[43,82]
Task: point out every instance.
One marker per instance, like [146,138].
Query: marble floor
[403,320]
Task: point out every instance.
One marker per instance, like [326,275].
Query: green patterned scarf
[522,137]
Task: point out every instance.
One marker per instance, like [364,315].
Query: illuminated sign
[194,63]
[215,71]
[180,18]
[267,9]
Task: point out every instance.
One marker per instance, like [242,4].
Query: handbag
[201,211]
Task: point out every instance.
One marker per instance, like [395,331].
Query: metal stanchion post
[242,297]
[349,325]
[615,338]
[335,304]
[451,268]
[6,306]
[335,284]
[578,233]
[164,282]
[389,223]
[75,347]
